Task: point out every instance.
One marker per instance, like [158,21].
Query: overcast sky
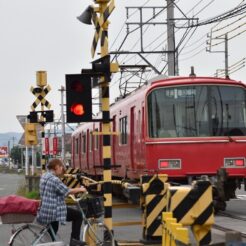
[45,35]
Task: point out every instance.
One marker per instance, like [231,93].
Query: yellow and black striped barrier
[153,203]
[193,206]
[69,179]
[173,233]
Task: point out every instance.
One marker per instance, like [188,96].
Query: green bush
[32,195]
[22,191]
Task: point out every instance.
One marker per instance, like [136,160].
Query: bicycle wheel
[98,234]
[30,234]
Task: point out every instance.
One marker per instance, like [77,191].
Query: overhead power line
[230,24]
[229,14]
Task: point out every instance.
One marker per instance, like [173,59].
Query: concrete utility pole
[170,38]
[224,37]
[226,57]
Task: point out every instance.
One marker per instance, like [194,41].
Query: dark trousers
[75,217]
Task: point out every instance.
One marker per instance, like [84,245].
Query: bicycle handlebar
[78,198]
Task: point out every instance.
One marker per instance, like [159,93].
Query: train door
[132,135]
[138,138]
[83,150]
[87,147]
[93,145]
[80,152]
[142,136]
[113,139]
[73,151]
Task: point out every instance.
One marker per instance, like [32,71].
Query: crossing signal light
[31,137]
[78,97]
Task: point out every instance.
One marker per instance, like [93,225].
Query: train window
[91,141]
[96,140]
[83,143]
[197,111]
[139,123]
[77,146]
[123,130]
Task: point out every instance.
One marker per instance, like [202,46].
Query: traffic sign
[22,120]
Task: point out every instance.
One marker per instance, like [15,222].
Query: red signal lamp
[78,98]
[77,109]
[77,86]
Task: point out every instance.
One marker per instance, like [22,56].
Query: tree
[16,154]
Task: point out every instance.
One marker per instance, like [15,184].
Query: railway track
[235,218]
[225,214]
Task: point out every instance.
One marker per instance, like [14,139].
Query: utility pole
[9,153]
[226,57]
[63,150]
[170,38]
[225,51]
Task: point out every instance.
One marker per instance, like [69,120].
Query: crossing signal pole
[40,92]
[104,68]
[41,81]
[107,174]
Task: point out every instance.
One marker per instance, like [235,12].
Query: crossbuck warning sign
[98,23]
[40,93]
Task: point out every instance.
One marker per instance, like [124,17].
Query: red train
[182,126]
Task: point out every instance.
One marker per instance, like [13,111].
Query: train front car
[196,126]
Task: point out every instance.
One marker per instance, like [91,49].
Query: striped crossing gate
[193,206]
[153,203]
[71,181]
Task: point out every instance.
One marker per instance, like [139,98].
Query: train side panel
[194,158]
[136,153]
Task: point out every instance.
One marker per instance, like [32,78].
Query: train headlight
[169,164]
[234,162]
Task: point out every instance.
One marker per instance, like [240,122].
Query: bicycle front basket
[92,206]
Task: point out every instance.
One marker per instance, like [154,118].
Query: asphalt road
[9,184]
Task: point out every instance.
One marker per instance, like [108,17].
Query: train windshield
[197,111]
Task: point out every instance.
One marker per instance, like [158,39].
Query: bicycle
[29,234]
[94,231]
